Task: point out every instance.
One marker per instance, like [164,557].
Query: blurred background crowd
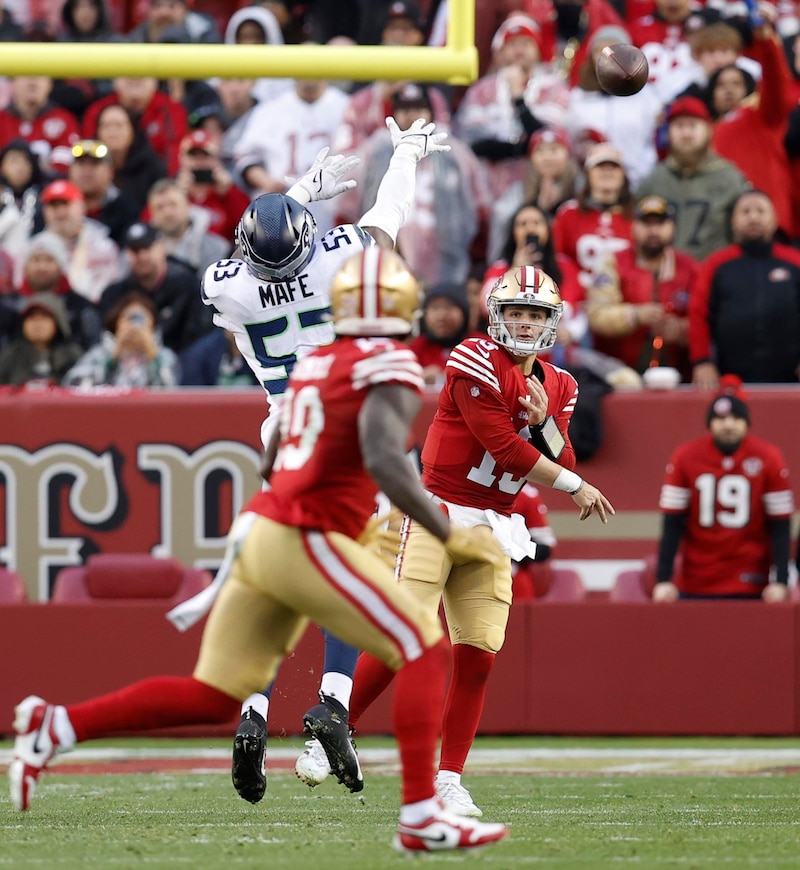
[669,219]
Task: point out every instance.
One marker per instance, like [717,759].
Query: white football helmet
[375,294]
[525,285]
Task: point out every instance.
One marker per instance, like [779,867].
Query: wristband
[568,481]
[299,193]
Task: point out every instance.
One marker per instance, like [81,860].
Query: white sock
[64,730]
[338,686]
[413,814]
[448,776]
[259,702]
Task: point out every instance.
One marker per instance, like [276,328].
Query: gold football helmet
[374,293]
[525,285]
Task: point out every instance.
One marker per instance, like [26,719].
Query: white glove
[322,180]
[418,141]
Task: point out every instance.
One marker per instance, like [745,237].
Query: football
[622,70]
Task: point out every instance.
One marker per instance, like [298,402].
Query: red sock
[418,701]
[158,702]
[471,668]
[372,676]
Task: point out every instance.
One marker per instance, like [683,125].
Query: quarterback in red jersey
[727,502]
[502,419]
[298,553]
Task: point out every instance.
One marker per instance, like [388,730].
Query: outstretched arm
[396,191]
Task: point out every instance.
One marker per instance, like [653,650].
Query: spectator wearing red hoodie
[752,134]
[163,120]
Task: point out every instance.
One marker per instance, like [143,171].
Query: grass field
[592,803]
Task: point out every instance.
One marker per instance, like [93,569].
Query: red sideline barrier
[593,668]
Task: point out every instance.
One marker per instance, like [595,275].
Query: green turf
[575,820]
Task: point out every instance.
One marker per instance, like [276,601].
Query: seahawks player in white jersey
[274,299]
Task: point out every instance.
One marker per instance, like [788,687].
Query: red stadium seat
[629,586]
[12,589]
[565,585]
[128,577]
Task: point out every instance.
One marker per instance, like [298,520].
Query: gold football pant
[476,595]
[285,577]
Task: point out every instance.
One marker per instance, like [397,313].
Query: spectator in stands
[638,302]
[727,503]
[48,129]
[20,186]
[444,324]
[130,354]
[290,16]
[43,351]
[744,311]
[698,182]
[368,108]
[256,25]
[185,228]
[83,21]
[751,133]
[162,14]
[162,120]
[529,241]
[300,122]
[598,222]
[228,120]
[449,217]
[552,179]
[92,172]
[136,166]
[44,270]
[94,258]
[727,87]
[208,184]
[181,316]
[628,123]
[214,360]
[501,111]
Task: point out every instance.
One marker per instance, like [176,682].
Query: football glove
[418,141]
[474,545]
[382,541]
[322,180]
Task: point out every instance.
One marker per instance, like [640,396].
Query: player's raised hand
[322,181]
[418,141]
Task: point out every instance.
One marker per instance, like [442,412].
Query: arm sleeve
[779,535]
[671,534]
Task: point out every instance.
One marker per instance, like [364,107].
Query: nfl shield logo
[474,392]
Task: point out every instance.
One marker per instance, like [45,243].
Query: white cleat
[313,767]
[446,832]
[34,747]
[456,799]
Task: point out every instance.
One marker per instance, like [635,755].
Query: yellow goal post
[455,63]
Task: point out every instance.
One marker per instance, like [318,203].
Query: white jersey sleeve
[274,325]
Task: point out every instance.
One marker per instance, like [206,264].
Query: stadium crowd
[134,186]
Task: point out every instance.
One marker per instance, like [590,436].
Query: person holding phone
[207,183]
[130,353]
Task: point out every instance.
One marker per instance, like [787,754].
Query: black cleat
[248,770]
[328,723]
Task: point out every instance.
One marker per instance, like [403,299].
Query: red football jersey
[587,236]
[727,500]
[319,480]
[476,452]
[51,135]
